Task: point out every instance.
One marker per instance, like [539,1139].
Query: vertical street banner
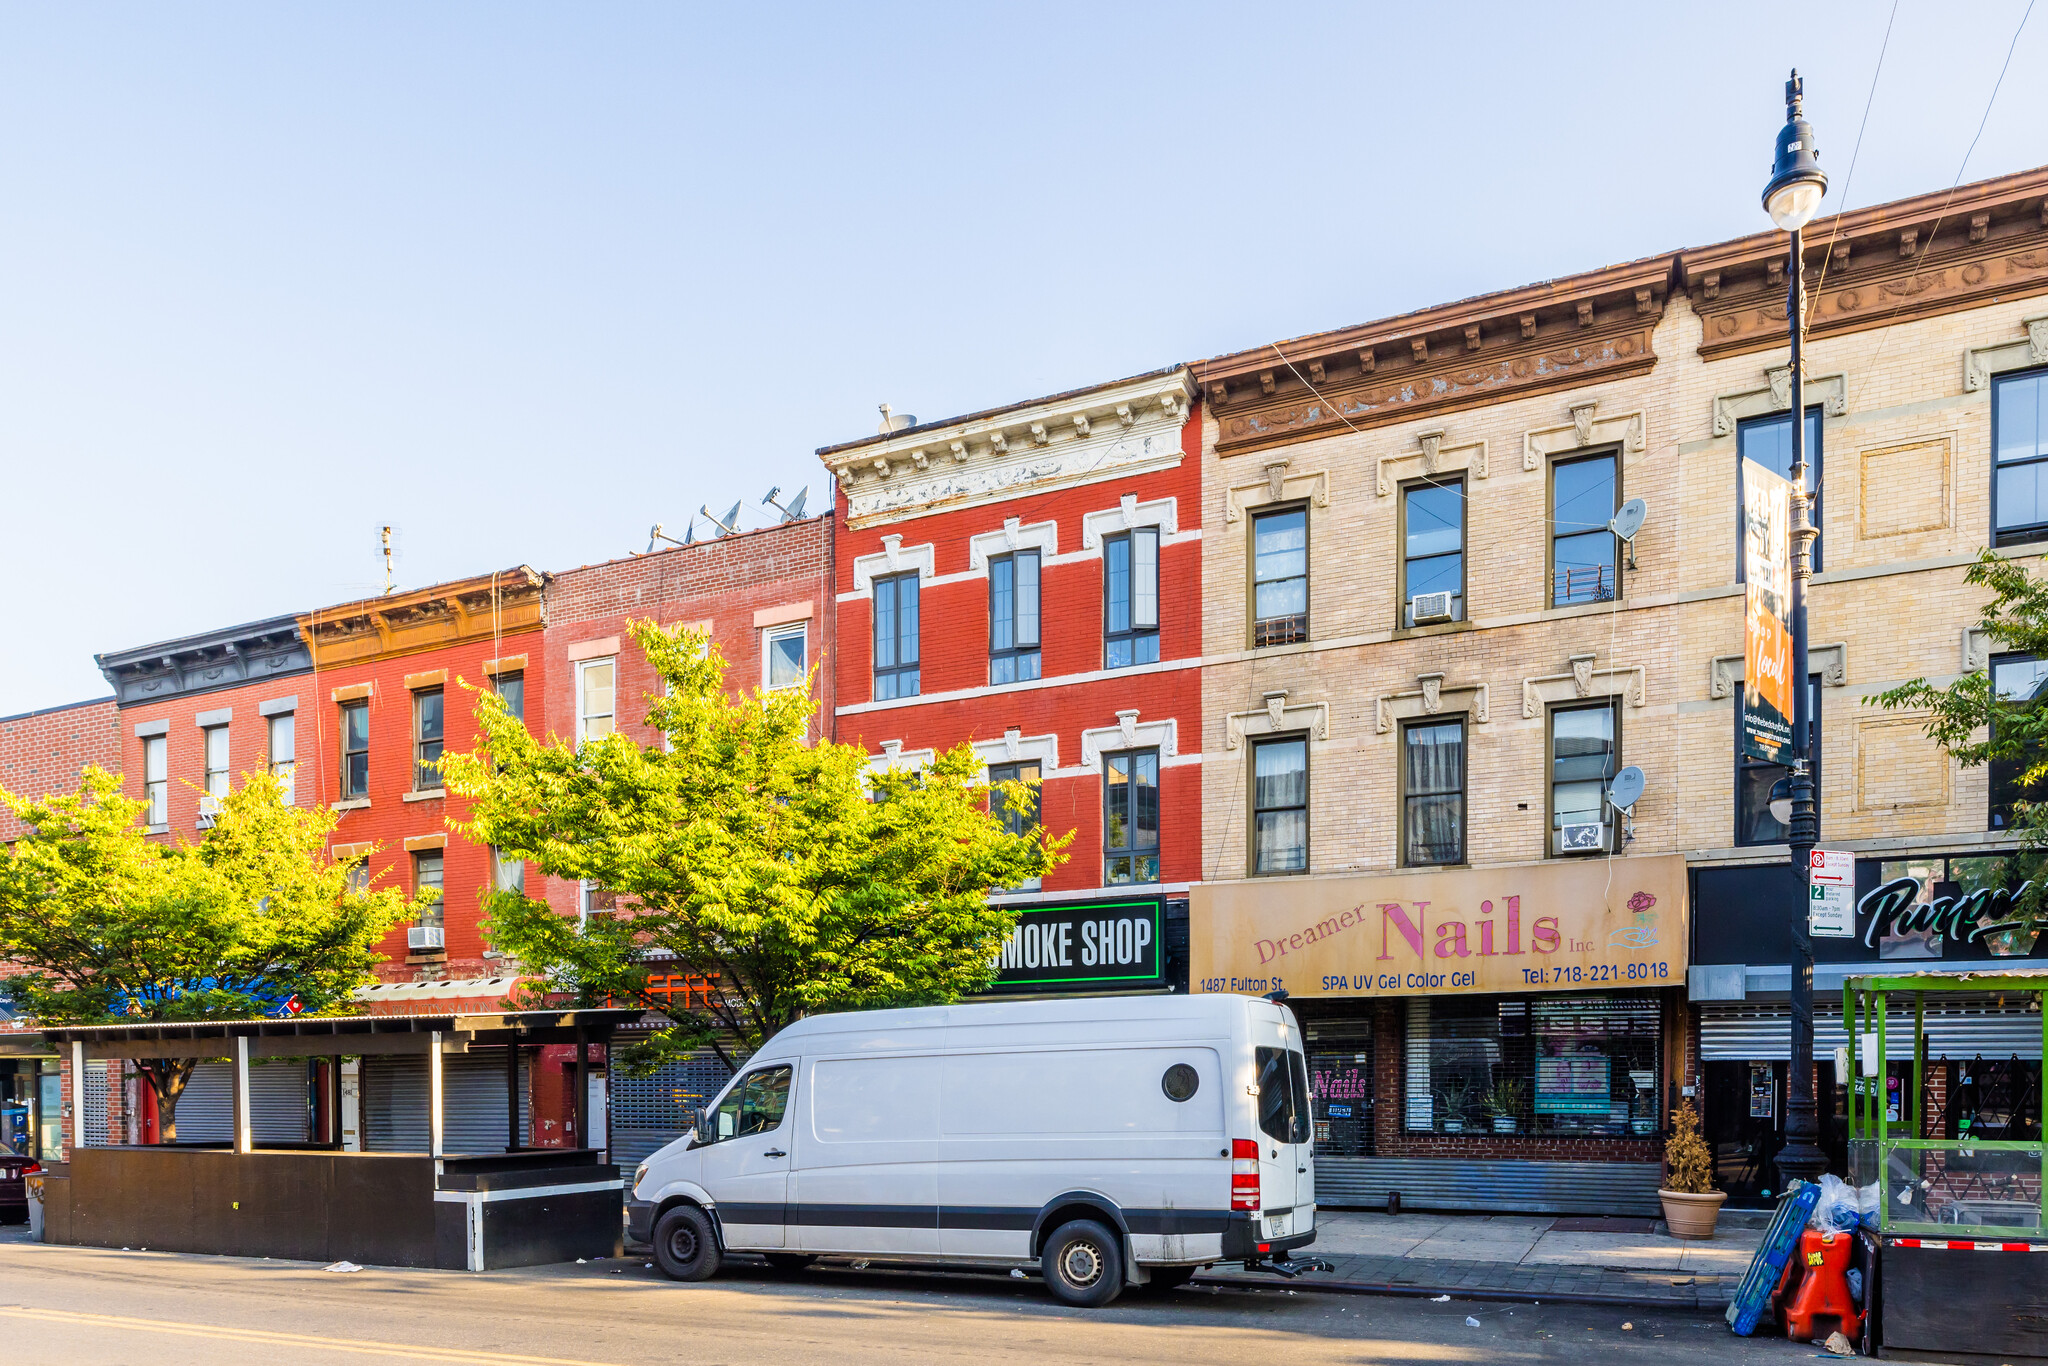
[1767,616]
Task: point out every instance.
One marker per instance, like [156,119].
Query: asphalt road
[68,1305]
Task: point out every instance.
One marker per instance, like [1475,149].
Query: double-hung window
[1130,816]
[1019,817]
[1280,577]
[1013,617]
[511,690]
[787,649]
[1755,779]
[216,769]
[426,878]
[595,693]
[426,739]
[1585,748]
[1584,494]
[896,657]
[156,786]
[508,874]
[2019,438]
[284,753]
[1130,591]
[1280,805]
[1433,551]
[1768,441]
[355,750]
[2019,681]
[1433,793]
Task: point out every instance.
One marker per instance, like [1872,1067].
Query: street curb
[1642,1302]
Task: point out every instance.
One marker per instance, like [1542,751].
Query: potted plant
[1504,1103]
[1451,1103]
[1691,1204]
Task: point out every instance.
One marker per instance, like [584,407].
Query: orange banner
[1767,615]
[1589,922]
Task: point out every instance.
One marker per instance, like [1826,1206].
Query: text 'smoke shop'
[1087,947]
[1495,1038]
[1935,912]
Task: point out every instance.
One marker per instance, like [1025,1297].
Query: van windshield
[1283,1095]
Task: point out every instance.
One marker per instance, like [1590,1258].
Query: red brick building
[384,698]
[44,751]
[764,596]
[1028,580]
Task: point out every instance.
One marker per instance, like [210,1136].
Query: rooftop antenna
[384,536]
[727,524]
[655,533]
[795,511]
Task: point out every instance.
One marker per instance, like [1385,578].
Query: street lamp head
[1797,181]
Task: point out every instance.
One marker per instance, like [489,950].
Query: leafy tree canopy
[99,924]
[741,852]
[1976,726]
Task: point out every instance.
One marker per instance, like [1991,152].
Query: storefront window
[1551,1065]
[1340,1087]
[1946,877]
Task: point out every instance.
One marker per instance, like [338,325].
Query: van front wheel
[685,1248]
[1083,1264]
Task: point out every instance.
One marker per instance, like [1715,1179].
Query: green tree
[742,852]
[101,925]
[1976,726]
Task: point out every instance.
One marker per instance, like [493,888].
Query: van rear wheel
[685,1247]
[1083,1264]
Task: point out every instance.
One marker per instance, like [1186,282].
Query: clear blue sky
[524,279]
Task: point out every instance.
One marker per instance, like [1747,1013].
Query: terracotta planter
[1691,1216]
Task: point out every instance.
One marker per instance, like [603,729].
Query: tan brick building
[1427,656]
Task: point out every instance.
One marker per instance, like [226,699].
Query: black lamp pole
[1791,199]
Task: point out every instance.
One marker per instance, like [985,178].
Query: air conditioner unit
[1428,607]
[419,937]
[1589,837]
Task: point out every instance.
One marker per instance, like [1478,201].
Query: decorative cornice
[1431,458]
[206,662]
[1277,718]
[1560,334]
[1980,363]
[1631,681]
[480,608]
[1831,392]
[1831,662]
[1428,700]
[1083,437]
[1586,429]
[1276,486]
[1131,733]
[1935,253]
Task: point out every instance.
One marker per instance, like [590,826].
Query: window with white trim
[284,753]
[1013,617]
[156,785]
[595,698]
[1130,592]
[786,655]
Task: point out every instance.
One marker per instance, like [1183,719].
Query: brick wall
[739,586]
[42,752]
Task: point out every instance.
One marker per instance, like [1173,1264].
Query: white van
[1109,1141]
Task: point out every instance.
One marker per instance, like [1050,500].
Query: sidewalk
[1626,1262]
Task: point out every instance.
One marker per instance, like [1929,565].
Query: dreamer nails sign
[1593,923]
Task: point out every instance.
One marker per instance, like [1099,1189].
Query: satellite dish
[1626,789]
[795,510]
[1629,520]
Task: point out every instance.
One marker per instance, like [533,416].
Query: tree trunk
[167,1077]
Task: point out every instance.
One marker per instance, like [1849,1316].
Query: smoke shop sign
[1595,923]
[1078,946]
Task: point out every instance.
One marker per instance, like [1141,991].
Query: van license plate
[1279,1225]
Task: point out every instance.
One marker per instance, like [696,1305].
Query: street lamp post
[1791,200]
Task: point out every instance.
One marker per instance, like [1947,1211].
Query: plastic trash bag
[1838,1210]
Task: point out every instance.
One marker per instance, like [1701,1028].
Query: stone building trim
[895,758]
[1630,680]
[1429,699]
[1978,647]
[1587,429]
[1277,718]
[983,546]
[1017,747]
[1163,513]
[207,662]
[1980,363]
[1276,487]
[1433,457]
[895,558]
[1831,661]
[1830,391]
[1131,733]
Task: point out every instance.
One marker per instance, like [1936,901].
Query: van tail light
[1244,1174]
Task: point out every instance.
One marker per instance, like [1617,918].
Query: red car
[13,1190]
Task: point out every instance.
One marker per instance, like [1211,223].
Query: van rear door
[1284,1132]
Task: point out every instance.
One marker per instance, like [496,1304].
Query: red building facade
[384,698]
[1027,580]
[44,751]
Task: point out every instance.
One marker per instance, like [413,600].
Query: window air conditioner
[1427,607]
[1589,837]
[426,937]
